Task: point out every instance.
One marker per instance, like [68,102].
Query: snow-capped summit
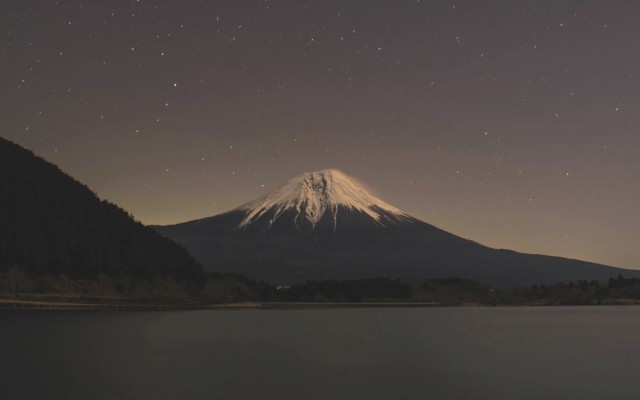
[325,225]
[312,195]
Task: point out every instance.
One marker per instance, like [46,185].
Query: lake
[426,353]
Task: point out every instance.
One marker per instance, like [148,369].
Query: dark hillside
[50,223]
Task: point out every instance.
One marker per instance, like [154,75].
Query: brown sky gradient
[514,124]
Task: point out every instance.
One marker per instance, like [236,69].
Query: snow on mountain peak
[315,193]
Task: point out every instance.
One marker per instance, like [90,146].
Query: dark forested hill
[50,223]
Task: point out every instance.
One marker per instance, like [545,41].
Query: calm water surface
[431,353]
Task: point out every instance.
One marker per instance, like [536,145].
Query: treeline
[441,291]
[464,292]
[347,291]
[617,290]
[19,283]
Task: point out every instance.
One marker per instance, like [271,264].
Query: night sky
[512,123]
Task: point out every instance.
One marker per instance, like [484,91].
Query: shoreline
[283,305]
[15,304]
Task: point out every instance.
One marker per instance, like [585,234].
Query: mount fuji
[325,225]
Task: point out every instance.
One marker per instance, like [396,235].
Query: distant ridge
[50,223]
[324,225]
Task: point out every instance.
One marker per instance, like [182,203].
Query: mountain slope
[323,225]
[50,223]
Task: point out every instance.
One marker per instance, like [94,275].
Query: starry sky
[512,123]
